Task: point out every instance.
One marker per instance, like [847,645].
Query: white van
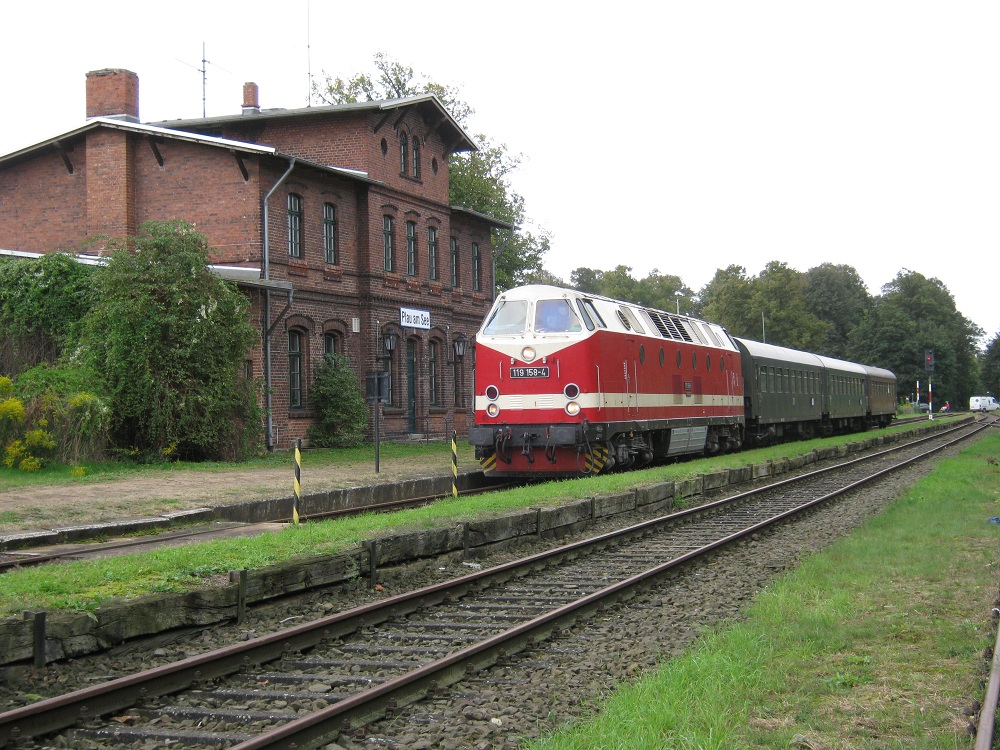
[983,403]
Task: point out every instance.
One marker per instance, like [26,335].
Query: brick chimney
[251,102]
[113,92]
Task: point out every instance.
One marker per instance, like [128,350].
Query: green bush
[170,340]
[341,414]
[42,304]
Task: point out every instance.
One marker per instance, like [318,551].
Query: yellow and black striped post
[454,463]
[298,483]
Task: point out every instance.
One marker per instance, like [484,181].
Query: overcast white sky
[678,135]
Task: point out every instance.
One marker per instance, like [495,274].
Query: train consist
[570,384]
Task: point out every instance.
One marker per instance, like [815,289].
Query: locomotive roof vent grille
[669,326]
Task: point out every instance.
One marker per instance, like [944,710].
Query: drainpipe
[268,326]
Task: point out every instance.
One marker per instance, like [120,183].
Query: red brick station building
[334,220]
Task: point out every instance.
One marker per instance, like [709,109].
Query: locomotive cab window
[556,316]
[590,315]
[509,318]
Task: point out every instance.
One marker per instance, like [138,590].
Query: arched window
[295,360]
[411,248]
[402,153]
[331,343]
[294,225]
[432,253]
[454,262]
[416,158]
[330,232]
[389,242]
[432,373]
[476,268]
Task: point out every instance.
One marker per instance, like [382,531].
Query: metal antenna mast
[309,97]
[204,81]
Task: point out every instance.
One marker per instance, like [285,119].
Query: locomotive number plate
[529,372]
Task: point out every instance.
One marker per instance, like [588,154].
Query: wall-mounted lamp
[389,339]
[461,345]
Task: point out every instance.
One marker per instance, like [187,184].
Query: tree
[915,314]
[779,294]
[727,300]
[341,413]
[989,368]
[837,295]
[479,180]
[170,340]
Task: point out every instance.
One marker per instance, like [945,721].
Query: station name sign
[410,318]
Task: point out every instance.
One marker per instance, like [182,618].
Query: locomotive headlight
[527,354]
[572,408]
[571,391]
[492,410]
[492,392]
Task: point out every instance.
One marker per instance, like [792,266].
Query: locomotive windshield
[510,317]
[556,316]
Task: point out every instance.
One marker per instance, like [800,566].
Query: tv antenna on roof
[204,77]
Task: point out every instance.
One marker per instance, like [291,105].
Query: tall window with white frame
[416,158]
[294,225]
[476,268]
[294,370]
[411,248]
[402,153]
[432,253]
[330,233]
[389,242]
[432,373]
[454,262]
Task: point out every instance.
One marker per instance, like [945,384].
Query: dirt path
[160,492]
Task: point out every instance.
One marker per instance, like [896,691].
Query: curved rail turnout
[301,687]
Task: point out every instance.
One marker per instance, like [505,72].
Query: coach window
[294,225]
[694,360]
[662,357]
[642,354]
[330,232]
[722,364]
[678,359]
[708,362]
[294,369]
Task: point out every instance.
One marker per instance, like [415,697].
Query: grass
[86,585]
[873,643]
[101,471]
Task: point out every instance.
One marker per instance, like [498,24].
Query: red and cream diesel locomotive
[569,384]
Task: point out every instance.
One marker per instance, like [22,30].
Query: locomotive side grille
[669,326]
[515,402]
[545,401]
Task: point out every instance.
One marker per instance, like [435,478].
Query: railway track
[303,686]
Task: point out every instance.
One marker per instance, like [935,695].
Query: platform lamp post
[461,346]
